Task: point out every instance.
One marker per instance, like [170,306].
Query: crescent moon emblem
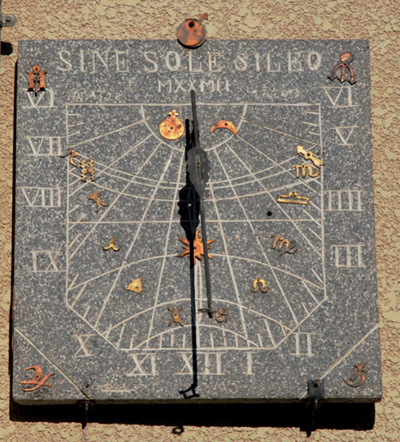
[224,124]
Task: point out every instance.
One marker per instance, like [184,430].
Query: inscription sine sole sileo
[102,280]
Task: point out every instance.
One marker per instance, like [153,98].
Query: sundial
[112,298]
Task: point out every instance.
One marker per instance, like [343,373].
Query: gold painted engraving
[36,380]
[87,167]
[304,168]
[222,315]
[96,198]
[358,377]
[224,124]
[172,128]
[259,283]
[111,245]
[293,198]
[135,285]
[175,316]
[36,79]
[198,247]
[279,242]
[308,155]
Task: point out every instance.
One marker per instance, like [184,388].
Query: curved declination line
[111,164]
[108,208]
[257,240]
[173,256]
[272,161]
[52,363]
[165,169]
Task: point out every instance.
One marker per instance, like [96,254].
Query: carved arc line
[105,213]
[351,349]
[274,162]
[106,134]
[52,363]
[269,194]
[167,164]
[214,254]
[108,166]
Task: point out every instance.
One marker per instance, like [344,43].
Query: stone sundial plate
[91,165]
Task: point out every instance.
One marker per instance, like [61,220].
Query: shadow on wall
[329,416]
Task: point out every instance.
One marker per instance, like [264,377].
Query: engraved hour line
[120,193]
[208,221]
[310,292]
[278,131]
[160,279]
[311,230]
[214,254]
[136,234]
[289,172]
[156,337]
[145,311]
[100,172]
[228,259]
[274,162]
[105,134]
[350,350]
[256,236]
[276,203]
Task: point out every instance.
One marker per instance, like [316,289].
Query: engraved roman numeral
[42,100]
[145,364]
[44,146]
[348,255]
[344,200]
[45,261]
[303,344]
[344,133]
[83,350]
[42,196]
[339,96]
[209,363]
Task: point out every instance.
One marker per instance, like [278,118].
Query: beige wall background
[375,20]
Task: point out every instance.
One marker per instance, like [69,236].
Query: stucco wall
[377,20]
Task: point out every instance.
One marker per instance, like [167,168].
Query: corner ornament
[37,381]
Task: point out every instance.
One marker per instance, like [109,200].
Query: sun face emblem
[197,246]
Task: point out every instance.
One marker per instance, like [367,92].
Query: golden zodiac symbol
[135,285]
[197,246]
[96,198]
[72,154]
[111,246]
[175,316]
[36,380]
[308,155]
[171,128]
[259,283]
[221,315]
[289,245]
[345,59]
[293,198]
[360,373]
[304,168]
[224,124]
[87,167]
[36,79]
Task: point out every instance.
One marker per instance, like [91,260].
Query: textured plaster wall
[376,20]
